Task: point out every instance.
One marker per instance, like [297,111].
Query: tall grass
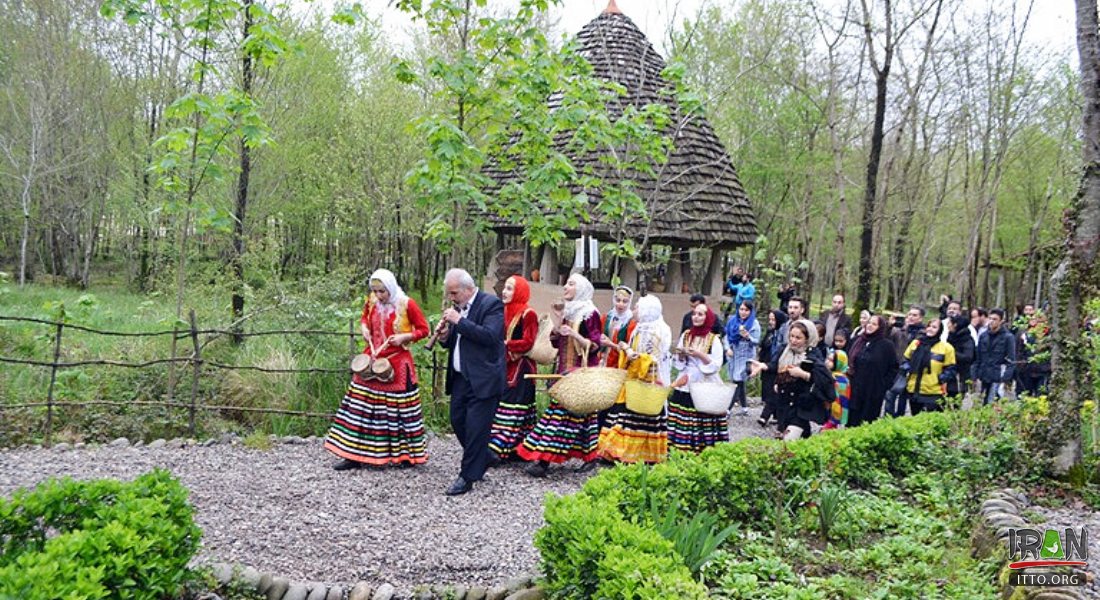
[328,304]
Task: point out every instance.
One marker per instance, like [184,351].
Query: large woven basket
[645,398]
[587,390]
[711,397]
[542,352]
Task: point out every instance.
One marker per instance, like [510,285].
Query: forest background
[980,145]
[255,163]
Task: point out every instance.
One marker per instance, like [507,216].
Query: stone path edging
[274,587]
[1003,510]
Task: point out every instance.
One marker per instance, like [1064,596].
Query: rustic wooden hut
[696,199]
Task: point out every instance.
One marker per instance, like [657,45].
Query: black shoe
[346,465]
[460,486]
[536,469]
[494,460]
[586,467]
[762,421]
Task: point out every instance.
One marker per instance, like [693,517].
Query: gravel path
[285,511]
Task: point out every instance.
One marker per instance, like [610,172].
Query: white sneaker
[744,411]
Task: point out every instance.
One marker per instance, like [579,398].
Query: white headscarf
[614,313]
[653,336]
[789,356]
[581,305]
[390,282]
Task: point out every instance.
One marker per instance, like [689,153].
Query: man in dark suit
[835,320]
[475,371]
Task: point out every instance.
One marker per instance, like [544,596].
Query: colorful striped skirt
[631,437]
[379,423]
[691,430]
[515,418]
[560,435]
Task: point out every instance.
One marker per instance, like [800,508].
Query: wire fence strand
[195,359]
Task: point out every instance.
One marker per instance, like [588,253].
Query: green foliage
[258,440]
[97,539]
[696,540]
[600,555]
[899,492]
[494,110]
[832,503]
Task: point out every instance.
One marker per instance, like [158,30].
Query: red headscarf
[519,299]
[706,327]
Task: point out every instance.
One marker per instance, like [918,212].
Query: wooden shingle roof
[696,198]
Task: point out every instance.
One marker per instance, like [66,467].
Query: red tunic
[406,318]
[519,338]
[622,334]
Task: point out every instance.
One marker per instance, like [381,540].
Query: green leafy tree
[509,101]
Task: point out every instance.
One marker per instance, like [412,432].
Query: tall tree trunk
[242,190]
[882,75]
[1078,274]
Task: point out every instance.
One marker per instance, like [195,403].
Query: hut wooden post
[689,274]
[712,285]
[548,269]
[674,274]
[628,272]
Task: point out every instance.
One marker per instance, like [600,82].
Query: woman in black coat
[803,384]
[872,367]
[770,348]
[958,335]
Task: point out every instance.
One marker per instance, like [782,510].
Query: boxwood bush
[97,539]
[600,543]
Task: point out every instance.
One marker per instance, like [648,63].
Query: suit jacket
[481,348]
[843,322]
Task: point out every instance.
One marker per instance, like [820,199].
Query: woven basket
[645,398]
[542,352]
[587,390]
[711,397]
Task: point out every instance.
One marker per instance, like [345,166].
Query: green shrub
[69,539]
[749,482]
[601,555]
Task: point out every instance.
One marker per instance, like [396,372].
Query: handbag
[543,352]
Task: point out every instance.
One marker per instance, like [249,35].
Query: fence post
[196,362]
[53,379]
[351,338]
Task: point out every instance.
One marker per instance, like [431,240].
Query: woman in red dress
[380,421]
[516,413]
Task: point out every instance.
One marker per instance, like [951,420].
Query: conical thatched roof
[697,199]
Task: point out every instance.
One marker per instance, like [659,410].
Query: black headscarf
[780,318]
[921,359]
[866,338]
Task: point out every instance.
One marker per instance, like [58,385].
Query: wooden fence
[195,359]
